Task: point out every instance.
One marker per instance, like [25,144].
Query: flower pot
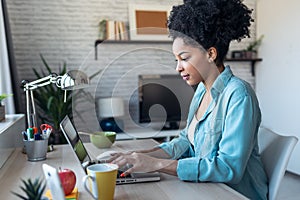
[250,54]
[2,113]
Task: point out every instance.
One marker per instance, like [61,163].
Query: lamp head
[72,80]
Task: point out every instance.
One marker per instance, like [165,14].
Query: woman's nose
[179,68]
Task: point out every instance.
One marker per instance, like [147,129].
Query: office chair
[275,153]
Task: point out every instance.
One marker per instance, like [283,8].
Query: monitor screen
[163,98]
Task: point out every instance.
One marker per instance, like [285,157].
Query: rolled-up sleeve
[188,169]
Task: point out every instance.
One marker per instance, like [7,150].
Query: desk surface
[9,121]
[169,187]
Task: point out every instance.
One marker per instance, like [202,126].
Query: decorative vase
[250,54]
[112,124]
[2,113]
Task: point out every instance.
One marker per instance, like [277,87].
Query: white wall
[277,77]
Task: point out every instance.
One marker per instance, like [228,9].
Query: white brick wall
[64,30]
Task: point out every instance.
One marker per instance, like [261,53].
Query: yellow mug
[102,181]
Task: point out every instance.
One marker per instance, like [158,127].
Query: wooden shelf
[97,42]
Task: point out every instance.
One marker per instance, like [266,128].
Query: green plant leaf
[45,64]
[4,96]
[253,46]
[20,196]
[33,190]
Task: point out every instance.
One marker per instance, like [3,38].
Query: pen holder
[36,150]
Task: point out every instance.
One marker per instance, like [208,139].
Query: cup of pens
[36,144]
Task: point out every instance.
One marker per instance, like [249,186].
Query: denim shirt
[225,140]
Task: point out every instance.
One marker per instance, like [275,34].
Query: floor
[290,187]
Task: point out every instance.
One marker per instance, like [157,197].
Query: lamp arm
[29,87]
[52,78]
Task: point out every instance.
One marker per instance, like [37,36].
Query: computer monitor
[164,98]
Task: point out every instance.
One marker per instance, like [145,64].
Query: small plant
[4,96]
[253,46]
[33,190]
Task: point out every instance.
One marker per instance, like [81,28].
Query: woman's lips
[185,77]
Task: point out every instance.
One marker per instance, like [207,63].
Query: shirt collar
[221,82]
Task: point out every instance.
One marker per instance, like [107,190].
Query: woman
[219,143]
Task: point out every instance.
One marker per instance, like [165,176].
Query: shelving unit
[97,42]
[251,60]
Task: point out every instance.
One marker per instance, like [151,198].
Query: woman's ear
[212,54]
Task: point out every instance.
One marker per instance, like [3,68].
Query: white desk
[10,135]
[169,187]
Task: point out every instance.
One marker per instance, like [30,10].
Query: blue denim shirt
[225,141]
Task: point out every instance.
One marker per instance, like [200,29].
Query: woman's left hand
[138,162]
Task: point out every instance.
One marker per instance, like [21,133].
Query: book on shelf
[113,30]
[123,31]
[102,30]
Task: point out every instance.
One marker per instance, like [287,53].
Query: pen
[35,130]
[24,135]
[30,135]
[37,136]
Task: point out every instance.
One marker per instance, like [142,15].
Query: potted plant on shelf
[251,49]
[2,107]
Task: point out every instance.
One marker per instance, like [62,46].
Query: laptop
[85,160]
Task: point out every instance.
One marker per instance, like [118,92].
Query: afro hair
[210,23]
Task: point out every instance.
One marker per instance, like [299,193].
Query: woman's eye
[185,59]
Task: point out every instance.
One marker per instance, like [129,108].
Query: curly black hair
[210,23]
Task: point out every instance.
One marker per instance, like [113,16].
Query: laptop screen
[74,140]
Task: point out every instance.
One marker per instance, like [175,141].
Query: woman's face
[193,64]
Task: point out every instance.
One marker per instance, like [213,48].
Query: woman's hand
[140,162]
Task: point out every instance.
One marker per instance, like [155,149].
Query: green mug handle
[94,186]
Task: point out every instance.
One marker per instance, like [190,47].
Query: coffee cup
[102,181]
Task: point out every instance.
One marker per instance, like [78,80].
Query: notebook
[85,160]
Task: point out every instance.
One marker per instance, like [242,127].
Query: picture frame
[148,22]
